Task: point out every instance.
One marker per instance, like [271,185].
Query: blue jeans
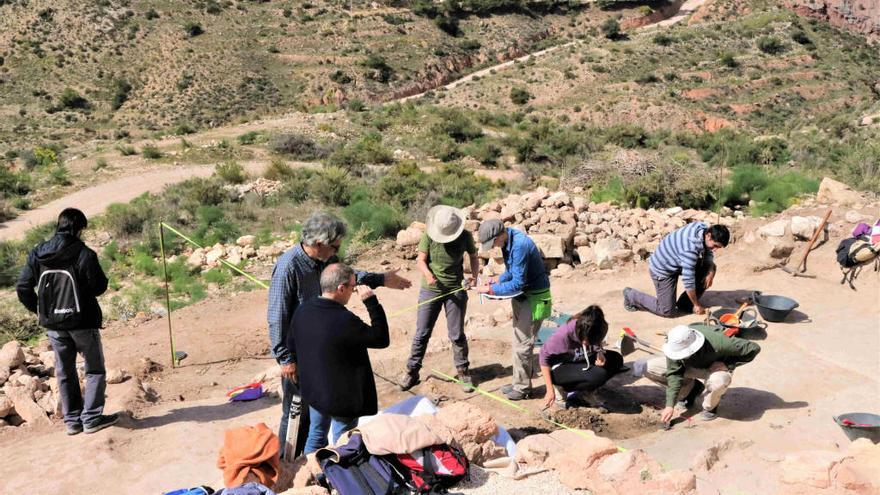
[320,424]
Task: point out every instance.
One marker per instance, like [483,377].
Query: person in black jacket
[330,345]
[66,252]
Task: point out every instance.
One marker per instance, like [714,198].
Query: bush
[770,45]
[728,60]
[626,135]
[381,71]
[781,192]
[151,14]
[212,226]
[460,186]
[278,170]
[611,28]
[483,151]
[455,124]
[340,77]
[332,186]
[366,150]
[448,25]
[123,220]
[663,39]
[151,152]
[59,175]
[378,219]
[192,29]
[519,96]
[250,137]
[405,184]
[14,183]
[231,172]
[425,8]
[470,45]
[121,90]
[71,100]
[801,37]
[41,156]
[183,129]
[298,146]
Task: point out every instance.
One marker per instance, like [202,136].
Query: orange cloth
[249,450]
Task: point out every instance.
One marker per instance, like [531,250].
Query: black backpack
[58,301]
[846,255]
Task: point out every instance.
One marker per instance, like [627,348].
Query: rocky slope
[861,16]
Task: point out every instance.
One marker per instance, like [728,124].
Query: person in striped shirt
[686,252]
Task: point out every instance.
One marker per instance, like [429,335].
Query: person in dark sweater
[330,346]
[64,260]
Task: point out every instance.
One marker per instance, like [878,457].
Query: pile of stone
[261,187]
[28,390]
[242,250]
[570,231]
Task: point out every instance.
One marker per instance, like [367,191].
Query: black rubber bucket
[864,425]
[774,308]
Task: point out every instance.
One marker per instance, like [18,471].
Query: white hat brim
[678,354]
[434,232]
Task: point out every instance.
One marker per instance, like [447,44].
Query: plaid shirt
[296,279]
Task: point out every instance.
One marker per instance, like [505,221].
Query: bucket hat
[682,342]
[445,223]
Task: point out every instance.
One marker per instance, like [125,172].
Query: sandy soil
[824,361]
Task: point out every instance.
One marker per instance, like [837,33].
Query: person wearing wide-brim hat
[441,261]
[692,354]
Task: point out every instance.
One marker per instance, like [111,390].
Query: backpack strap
[430,472]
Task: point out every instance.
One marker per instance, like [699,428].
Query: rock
[48,360]
[622,255]
[467,423]
[804,227]
[749,237]
[575,464]
[706,459]
[675,482]
[773,229]
[214,255]
[4,375]
[6,406]
[559,198]
[248,252]
[306,468]
[585,254]
[616,466]
[48,403]
[246,240]
[533,450]
[11,355]
[196,259]
[603,252]
[832,191]
[25,407]
[561,270]
[551,246]
[130,395]
[811,468]
[671,212]
[408,237]
[29,383]
[116,375]
[579,204]
[853,217]
[849,475]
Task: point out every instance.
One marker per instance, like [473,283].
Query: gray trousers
[524,333]
[66,345]
[455,306]
[665,303]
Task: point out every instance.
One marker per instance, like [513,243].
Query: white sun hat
[682,342]
[445,223]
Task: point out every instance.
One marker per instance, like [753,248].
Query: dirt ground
[824,361]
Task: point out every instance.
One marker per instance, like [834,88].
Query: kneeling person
[693,354]
[330,345]
[574,360]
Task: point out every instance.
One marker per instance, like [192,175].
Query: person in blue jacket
[526,278]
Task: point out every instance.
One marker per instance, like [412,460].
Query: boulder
[50,404]
[11,355]
[408,237]
[579,204]
[675,482]
[467,423]
[551,246]
[853,217]
[4,375]
[27,408]
[803,227]
[576,464]
[196,259]
[809,468]
[533,450]
[561,270]
[214,255]
[116,375]
[246,240]
[48,360]
[832,191]
[6,406]
[706,459]
[773,229]
[603,252]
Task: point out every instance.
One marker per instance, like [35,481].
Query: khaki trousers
[716,383]
[524,333]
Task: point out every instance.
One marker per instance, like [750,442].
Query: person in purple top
[574,360]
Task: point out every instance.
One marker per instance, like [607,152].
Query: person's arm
[282,302]
[24,288]
[475,267]
[514,279]
[96,280]
[422,264]
[674,377]
[388,279]
[550,395]
[374,335]
[739,352]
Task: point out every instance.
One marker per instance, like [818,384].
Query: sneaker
[692,396]
[408,380]
[102,422]
[467,383]
[517,394]
[74,429]
[709,415]
[626,304]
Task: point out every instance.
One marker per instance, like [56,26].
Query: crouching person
[330,346]
[693,356]
[573,358]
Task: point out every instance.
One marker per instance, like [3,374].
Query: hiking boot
[467,383]
[506,389]
[626,304]
[517,394]
[688,401]
[709,415]
[74,429]
[408,380]
[104,421]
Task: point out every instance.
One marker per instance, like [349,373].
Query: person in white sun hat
[694,355]
[441,261]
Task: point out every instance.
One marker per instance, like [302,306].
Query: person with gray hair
[331,346]
[295,280]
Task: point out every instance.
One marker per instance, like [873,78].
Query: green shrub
[645,10]
[41,156]
[71,100]
[193,29]
[212,226]
[770,45]
[519,96]
[126,150]
[470,45]
[16,323]
[781,192]
[100,163]
[298,146]
[278,170]
[456,124]
[485,152]
[151,152]
[626,135]
[459,186]
[612,191]
[14,183]
[297,184]
[121,90]
[378,219]
[366,150]
[59,176]
[151,14]
[425,8]
[448,25]
[332,186]
[124,220]
[231,172]
[340,77]
[250,137]
[728,60]
[183,129]
[801,37]
[381,71]
[611,28]
[405,184]
[663,39]
[217,276]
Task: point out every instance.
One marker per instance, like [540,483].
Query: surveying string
[422,303]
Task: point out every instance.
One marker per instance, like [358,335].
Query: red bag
[433,469]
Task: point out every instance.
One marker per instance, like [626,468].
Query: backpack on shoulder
[58,297]
[434,469]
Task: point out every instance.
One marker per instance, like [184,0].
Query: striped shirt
[296,278]
[680,252]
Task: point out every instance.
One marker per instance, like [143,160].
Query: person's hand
[483,289]
[469,281]
[549,397]
[288,371]
[395,281]
[698,310]
[430,279]
[491,280]
[365,292]
[718,366]
[708,280]
[666,415]
[600,359]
